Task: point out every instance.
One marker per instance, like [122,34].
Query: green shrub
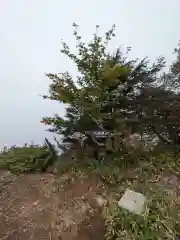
[27,158]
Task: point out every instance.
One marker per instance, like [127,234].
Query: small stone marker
[133,201]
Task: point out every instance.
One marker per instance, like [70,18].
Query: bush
[27,158]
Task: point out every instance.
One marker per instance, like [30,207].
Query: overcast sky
[31,31]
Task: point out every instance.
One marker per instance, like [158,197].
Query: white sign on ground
[133,202]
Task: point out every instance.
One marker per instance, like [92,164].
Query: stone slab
[133,202]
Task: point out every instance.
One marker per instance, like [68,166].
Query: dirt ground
[45,206]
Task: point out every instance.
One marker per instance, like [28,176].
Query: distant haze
[31,31]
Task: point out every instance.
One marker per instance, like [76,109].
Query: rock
[133,202]
[101,201]
[35,203]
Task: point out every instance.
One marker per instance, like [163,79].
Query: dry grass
[161,220]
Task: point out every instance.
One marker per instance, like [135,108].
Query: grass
[23,159]
[160,221]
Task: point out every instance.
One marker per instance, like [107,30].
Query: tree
[84,96]
[110,94]
[166,109]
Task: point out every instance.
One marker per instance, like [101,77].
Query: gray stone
[101,201]
[133,202]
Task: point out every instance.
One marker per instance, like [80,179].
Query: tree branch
[163,139]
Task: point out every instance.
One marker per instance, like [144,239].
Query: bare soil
[46,206]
